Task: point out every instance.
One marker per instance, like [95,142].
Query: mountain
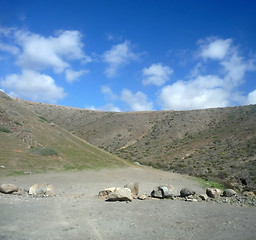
[215,144]
[31,143]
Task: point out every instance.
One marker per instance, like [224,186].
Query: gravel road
[77,213]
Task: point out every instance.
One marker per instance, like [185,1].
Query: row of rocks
[45,190]
[131,191]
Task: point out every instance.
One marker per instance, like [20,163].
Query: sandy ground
[77,213]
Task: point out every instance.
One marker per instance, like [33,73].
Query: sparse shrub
[18,123]
[5,129]
[44,152]
[43,119]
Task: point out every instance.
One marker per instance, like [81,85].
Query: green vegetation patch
[18,123]
[44,151]
[42,119]
[4,129]
[208,184]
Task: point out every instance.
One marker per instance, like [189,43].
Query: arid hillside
[216,144]
[30,143]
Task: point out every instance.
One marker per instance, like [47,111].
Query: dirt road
[77,213]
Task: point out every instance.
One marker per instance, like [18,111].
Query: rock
[8,188]
[49,191]
[134,187]
[184,192]
[52,124]
[142,196]
[120,194]
[249,194]
[166,192]
[41,189]
[229,193]
[213,192]
[157,193]
[137,163]
[2,166]
[204,197]
[162,192]
[106,191]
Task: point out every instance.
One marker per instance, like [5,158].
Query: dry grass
[35,145]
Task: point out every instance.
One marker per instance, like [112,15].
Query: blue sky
[129,55]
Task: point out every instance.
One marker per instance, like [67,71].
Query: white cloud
[34,54]
[137,101]
[33,85]
[202,92]
[207,91]
[214,48]
[118,56]
[235,67]
[251,99]
[108,93]
[9,48]
[39,52]
[71,75]
[156,74]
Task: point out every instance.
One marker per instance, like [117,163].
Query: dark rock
[157,193]
[184,192]
[243,181]
[162,192]
[229,193]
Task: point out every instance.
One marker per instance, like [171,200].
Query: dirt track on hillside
[77,213]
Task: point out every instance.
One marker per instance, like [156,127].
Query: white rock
[8,188]
[213,192]
[120,194]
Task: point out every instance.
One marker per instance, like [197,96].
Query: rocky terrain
[75,211]
[214,144]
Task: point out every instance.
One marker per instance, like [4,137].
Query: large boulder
[185,192]
[41,190]
[213,192]
[229,193]
[162,192]
[8,188]
[120,194]
[134,187]
[156,193]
